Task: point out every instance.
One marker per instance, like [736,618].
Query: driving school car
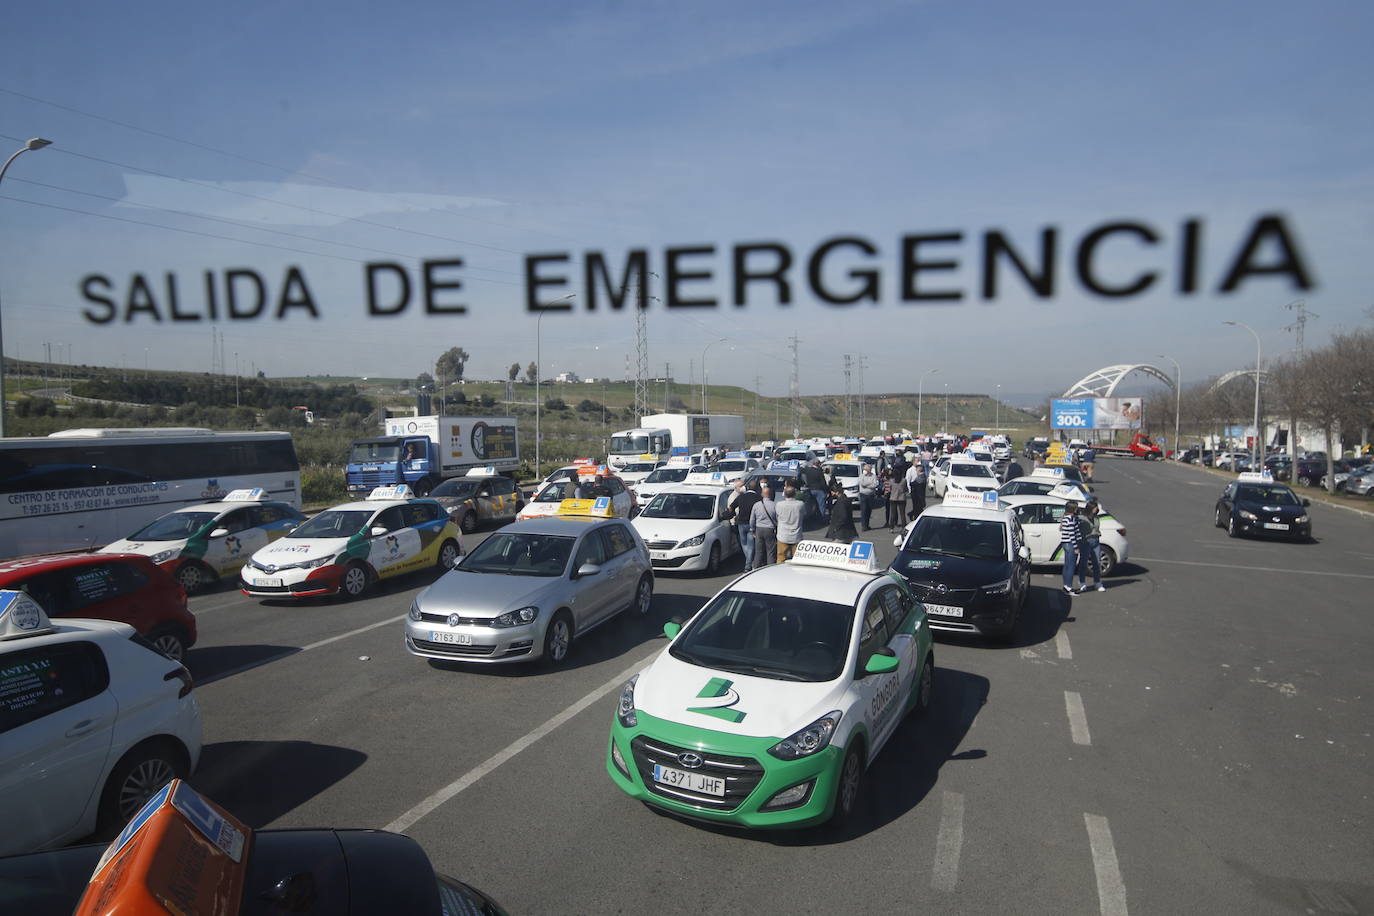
[768,705]
[347,548]
[200,544]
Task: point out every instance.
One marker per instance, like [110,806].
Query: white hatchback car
[684,530]
[961,474]
[93,721]
[1039,517]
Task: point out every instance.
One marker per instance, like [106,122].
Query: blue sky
[350,133]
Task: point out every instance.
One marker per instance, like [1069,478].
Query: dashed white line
[370,626]
[1061,644]
[1298,572]
[1078,719]
[948,843]
[407,820]
[1111,890]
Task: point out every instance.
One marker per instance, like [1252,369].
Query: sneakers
[1068,590]
[1101,587]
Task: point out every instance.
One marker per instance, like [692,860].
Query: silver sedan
[530,589]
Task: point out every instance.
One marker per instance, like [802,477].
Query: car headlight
[516,618]
[415,610]
[626,710]
[163,556]
[1301,520]
[694,542]
[1248,516]
[315,564]
[998,588]
[815,737]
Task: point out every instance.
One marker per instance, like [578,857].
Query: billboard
[1096,413]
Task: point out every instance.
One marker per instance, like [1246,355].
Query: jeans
[819,496]
[1089,557]
[746,545]
[765,546]
[1071,554]
[866,503]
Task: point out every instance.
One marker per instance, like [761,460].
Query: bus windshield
[629,445]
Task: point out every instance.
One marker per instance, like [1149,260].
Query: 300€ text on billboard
[840,271]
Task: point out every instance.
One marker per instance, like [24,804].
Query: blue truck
[423,451]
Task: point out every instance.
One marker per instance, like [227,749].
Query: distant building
[566,378]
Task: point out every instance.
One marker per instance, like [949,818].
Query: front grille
[741,774]
[269,589]
[671,563]
[444,648]
[931,593]
[976,489]
[462,621]
[661,545]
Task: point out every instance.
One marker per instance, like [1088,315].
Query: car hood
[956,572]
[286,551]
[144,548]
[473,594]
[1260,508]
[765,708]
[671,529]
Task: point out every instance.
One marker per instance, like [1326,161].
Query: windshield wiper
[746,668]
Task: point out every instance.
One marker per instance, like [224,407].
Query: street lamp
[538,371]
[1259,355]
[703,370]
[35,143]
[997,412]
[920,390]
[1178,400]
[946,429]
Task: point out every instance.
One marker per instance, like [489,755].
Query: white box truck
[662,435]
[422,451]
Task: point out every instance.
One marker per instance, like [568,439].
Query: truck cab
[640,444]
[386,461]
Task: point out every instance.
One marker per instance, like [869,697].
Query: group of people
[768,529]
[1080,534]
[891,487]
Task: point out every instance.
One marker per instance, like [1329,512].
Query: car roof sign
[601,507]
[21,616]
[986,499]
[1070,489]
[399,491]
[256,494]
[856,556]
[488,471]
[1256,476]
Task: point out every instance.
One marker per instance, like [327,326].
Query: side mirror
[1306,501]
[378,531]
[587,569]
[897,542]
[1023,552]
[884,661]
[671,629]
[219,532]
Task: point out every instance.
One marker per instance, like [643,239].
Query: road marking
[1078,719]
[1198,483]
[1111,890]
[1061,643]
[221,675]
[948,843]
[1298,572]
[218,607]
[1127,476]
[407,820]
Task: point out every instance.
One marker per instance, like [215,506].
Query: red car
[124,587]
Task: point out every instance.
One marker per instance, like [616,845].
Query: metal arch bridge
[1103,382]
[1239,373]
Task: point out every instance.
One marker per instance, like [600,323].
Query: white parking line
[1078,719]
[1061,643]
[1299,572]
[219,607]
[221,675]
[407,820]
[948,843]
[1111,890]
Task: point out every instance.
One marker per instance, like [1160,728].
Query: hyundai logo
[690,760]
[454,620]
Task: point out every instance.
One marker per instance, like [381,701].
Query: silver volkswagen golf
[530,589]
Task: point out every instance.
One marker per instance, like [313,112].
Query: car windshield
[667,475]
[520,554]
[681,505]
[1026,488]
[970,470]
[971,538]
[333,523]
[733,464]
[552,492]
[1269,496]
[845,470]
[373,452]
[455,489]
[783,637]
[629,445]
[174,527]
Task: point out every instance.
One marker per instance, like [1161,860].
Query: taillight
[181,674]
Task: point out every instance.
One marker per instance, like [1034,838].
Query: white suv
[93,721]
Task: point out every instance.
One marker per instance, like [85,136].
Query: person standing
[1091,530]
[814,478]
[791,510]
[763,525]
[1087,460]
[916,486]
[1013,470]
[741,506]
[1070,540]
[896,499]
[841,515]
[868,494]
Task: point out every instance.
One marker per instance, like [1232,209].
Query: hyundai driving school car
[94,721]
[768,705]
[201,544]
[968,561]
[529,590]
[684,529]
[1253,504]
[347,548]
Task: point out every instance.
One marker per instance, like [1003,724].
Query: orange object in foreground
[180,855]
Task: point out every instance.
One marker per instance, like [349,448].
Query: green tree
[450,364]
[424,380]
[513,371]
[532,371]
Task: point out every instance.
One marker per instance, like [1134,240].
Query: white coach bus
[83,488]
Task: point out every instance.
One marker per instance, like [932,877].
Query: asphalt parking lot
[1195,739]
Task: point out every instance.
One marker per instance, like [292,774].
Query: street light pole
[997,412]
[1178,400]
[703,370]
[946,429]
[35,143]
[920,391]
[538,371]
[1259,356]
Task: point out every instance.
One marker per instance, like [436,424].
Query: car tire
[644,596]
[423,486]
[712,562]
[848,788]
[1220,522]
[468,523]
[170,641]
[925,689]
[558,639]
[355,580]
[193,576]
[448,553]
[1232,530]
[1106,560]
[140,773]
[1304,480]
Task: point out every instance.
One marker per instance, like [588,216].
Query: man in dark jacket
[742,506]
[841,515]
[814,478]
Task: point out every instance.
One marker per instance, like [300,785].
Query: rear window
[38,682]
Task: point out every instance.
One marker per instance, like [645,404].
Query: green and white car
[768,705]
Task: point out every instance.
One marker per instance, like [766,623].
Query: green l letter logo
[720,690]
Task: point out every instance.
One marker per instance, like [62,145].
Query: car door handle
[84,727]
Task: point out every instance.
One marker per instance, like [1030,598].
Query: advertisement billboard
[1096,413]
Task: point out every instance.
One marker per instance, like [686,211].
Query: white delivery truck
[662,435]
[422,451]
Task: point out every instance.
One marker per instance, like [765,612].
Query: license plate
[944,610]
[1276,526]
[658,554]
[457,639]
[267,583]
[694,782]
